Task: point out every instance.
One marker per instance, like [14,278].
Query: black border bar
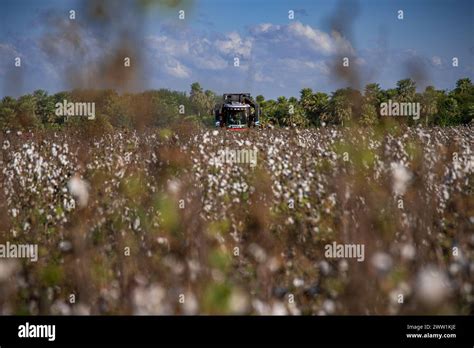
[224,330]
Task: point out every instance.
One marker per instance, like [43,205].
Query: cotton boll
[278,308]
[136,223]
[408,252]
[297,282]
[190,305]
[150,300]
[80,190]
[432,286]
[401,177]
[382,262]
[239,303]
[7,269]
[324,267]
[329,306]
[174,186]
[65,246]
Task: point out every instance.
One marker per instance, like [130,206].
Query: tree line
[347,105]
[163,107]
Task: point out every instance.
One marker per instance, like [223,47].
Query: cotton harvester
[238,111]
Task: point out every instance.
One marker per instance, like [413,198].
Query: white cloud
[176,69]
[280,55]
[295,65]
[260,77]
[233,44]
[182,52]
[210,63]
[166,45]
[298,35]
[318,41]
[436,61]
[265,27]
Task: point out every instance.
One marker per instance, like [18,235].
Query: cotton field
[198,221]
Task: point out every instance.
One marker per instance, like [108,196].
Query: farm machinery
[238,111]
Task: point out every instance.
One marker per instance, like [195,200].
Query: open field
[163,223]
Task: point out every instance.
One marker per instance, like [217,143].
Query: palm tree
[406,90]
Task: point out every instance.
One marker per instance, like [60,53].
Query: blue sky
[278,56]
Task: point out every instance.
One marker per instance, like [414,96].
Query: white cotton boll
[174,186]
[260,307]
[258,252]
[382,262]
[81,309]
[136,224]
[401,177]
[454,268]
[343,266]
[325,267]
[238,303]
[279,308]
[79,189]
[149,300]
[59,307]
[190,305]
[7,269]
[445,194]
[65,246]
[297,282]
[432,286]
[329,306]
[408,252]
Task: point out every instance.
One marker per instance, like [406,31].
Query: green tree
[7,113]
[390,93]
[340,109]
[26,112]
[269,112]
[281,112]
[45,107]
[368,115]
[209,102]
[314,105]
[429,105]
[198,99]
[464,95]
[373,94]
[344,105]
[117,108]
[406,90]
[448,111]
[463,86]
